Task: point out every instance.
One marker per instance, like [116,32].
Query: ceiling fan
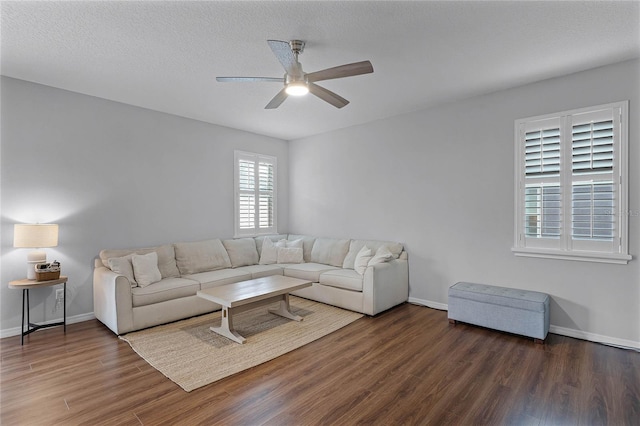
[297,82]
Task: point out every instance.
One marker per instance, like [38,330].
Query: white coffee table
[246,295]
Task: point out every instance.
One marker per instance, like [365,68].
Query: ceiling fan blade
[277,100]
[285,55]
[270,79]
[341,71]
[328,96]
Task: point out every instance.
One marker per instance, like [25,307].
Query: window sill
[581,256]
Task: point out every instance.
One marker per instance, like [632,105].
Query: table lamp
[35,236]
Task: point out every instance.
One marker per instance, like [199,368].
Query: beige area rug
[192,356]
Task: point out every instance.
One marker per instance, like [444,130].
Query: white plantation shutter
[594,208]
[593,215]
[255,189]
[246,194]
[592,147]
[542,185]
[571,185]
[542,152]
[266,187]
[543,211]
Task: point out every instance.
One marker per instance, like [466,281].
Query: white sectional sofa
[139,288]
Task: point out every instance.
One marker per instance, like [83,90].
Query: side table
[25,285]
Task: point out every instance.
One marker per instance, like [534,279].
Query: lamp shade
[35,235]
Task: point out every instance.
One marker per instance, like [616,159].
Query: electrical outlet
[59,300]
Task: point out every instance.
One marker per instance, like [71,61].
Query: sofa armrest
[112,300]
[385,285]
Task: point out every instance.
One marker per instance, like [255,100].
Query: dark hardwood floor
[405,366]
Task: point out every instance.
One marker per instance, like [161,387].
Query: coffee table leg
[226,327]
[284,310]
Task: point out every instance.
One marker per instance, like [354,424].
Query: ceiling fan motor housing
[297,46]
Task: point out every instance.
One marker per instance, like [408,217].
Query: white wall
[442,182]
[112,175]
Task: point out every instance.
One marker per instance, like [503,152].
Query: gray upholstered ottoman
[505,309]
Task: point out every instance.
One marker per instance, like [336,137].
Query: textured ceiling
[165,55]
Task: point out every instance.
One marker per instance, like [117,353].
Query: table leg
[64,307]
[284,310]
[226,327]
[25,298]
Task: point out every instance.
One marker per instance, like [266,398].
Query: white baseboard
[15,331]
[563,331]
[430,304]
[592,337]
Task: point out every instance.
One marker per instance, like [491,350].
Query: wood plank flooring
[406,366]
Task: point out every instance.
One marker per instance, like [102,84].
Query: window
[571,185]
[255,194]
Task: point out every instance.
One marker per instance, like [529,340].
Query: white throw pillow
[269,253]
[145,268]
[294,244]
[382,255]
[362,260]
[123,266]
[290,255]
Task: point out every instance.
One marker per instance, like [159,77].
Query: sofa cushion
[329,251]
[307,271]
[166,258]
[201,256]
[123,266]
[307,244]
[362,260]
[259,271]
[241,251]
[166,289]
[382,255]
[290,254]
[145,268]
[347,279]
[273,238]
[219,277]
[270,251]
[356,245]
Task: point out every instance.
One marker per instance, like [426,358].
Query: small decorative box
[46,276]
[47,271]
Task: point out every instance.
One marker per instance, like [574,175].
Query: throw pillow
[382,255]
[123,266]
[307,244]
[269,253]
[294,243]
[145,268]
[362,260]
[290,255]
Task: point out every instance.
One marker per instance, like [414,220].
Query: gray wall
[442,182]
[112,175]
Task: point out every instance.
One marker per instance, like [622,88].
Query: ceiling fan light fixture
[297,88]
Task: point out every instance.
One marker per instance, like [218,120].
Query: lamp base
[34,257]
